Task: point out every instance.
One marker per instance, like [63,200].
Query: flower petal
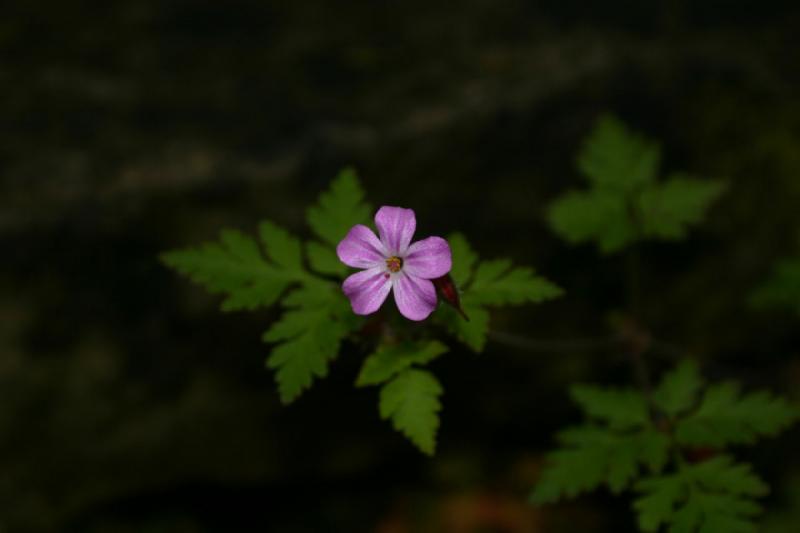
[415,297]
[429,258]
[396,227]
[361,248]
[367,290]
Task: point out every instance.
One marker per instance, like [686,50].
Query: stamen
[394,264]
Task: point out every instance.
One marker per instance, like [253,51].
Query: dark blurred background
[129,403]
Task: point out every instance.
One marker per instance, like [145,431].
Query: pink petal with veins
[415,297]
[367,290]
[361,248]
[396,227]
[429,258]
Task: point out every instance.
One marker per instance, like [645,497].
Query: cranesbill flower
[392,263]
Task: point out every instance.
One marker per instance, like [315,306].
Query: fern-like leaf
[339,209]
[615,158]
[668,209]
[389,360]
[725,417]
[716,496]
[679,389]
[309,336]
[619,408]
[411,402]
[488,283]
[591,456]
[236,267]
[624,202]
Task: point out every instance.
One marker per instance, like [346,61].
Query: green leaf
[389,360]
[324,260]
[618,159]
[580,468]
[679,389]
[473,332]
[661,495]
[464,257]
[497,283]
[624,203]
[667,209]
[725,417]
[234,266]
[494,282]
[714,496]
[281,247]
[653,448]
[782,289]
[722,473]
[339,208]
[411,401]
[620,408]
[579,217]
[591,456]
[310,334]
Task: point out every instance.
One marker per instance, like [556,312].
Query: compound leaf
[713,496]
[464,257]
[667,209]
[284,249]
[624,202]
[339,208]
[324,260]
[678,390]
[661,495]
[411,401]
[497,283]
[591,456]
[235,266]
[725,417]
[473,332]
[580,467]
[309,336]
[600,216]
[620,408]
[615,158]
[389,360]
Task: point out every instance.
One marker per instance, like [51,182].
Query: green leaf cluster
[625,202]
[485,284]
[303,278]
[409,395]
[717,495]
[255,273]
[610,449]
[633,441]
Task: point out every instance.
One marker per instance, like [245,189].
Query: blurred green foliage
[626,203]
[631,438]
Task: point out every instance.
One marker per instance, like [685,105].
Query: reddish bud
[449,292]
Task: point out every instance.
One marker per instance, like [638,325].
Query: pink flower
[393,263]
